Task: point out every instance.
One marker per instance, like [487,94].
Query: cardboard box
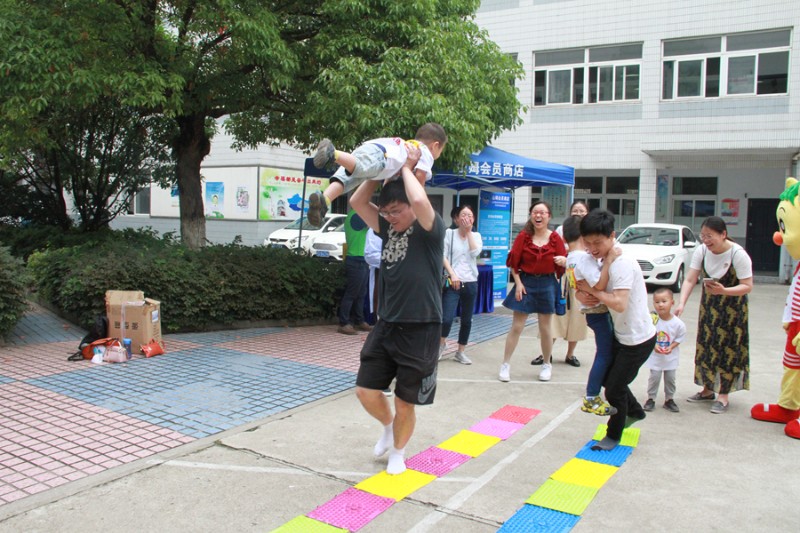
[132,316]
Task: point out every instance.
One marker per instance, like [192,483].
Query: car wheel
[676,287]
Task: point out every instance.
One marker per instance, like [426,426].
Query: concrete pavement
[691,471]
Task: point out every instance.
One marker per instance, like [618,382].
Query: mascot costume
[787,410]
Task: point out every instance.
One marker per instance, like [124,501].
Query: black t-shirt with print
[411,273]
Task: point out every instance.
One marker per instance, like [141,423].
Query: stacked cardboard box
[132,316]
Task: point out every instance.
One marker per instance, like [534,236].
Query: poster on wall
[557,198]
[729,211]
[280,193]
[228,193]
[215,199]
[494,223]
[662,196]
[175,195]
[242,199]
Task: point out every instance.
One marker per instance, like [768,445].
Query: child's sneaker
[317,208]
[598,407]
[671,406]
[325,154]
[649,405]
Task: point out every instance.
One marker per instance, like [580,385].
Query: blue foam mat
[532,518]
[614,457]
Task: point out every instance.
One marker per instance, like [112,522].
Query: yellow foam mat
[395,487]
[564,497]
[630,436]
[585,473]
[304,524]
[469,443]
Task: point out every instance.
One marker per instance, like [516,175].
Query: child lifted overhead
[376,159]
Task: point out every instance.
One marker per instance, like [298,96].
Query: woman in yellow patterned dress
[722,358]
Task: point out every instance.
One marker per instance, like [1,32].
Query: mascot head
[788,213]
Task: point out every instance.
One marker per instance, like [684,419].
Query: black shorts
[406,351]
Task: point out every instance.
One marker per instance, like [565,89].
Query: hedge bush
[13,285]
[217,285]
[23,241]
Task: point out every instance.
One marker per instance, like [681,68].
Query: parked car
[289,236]
[663,251]
[329,245]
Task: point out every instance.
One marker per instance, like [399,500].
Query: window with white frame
[140,202]
[587,75]
[693,200]
[753,63]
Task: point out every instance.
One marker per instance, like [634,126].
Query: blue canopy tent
[496,168]
[492,167]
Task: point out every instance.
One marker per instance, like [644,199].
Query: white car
[663,251]
[290,237]
[329,245]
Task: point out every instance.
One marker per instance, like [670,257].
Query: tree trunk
[191,147]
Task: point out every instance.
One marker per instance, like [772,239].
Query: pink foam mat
[496,427]
[351,510]
[48,439]
[512,413]
[315,345]
[436,461]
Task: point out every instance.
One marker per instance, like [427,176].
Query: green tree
[289,71]
[101,154]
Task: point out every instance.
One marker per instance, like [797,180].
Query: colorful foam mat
[357,506]
[558,504]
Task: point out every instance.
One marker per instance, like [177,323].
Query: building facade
[669,111]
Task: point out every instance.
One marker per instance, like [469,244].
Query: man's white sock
[397,462]
[385,442]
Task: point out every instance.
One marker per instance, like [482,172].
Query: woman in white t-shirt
[577,209]
[462,246]
[722,358]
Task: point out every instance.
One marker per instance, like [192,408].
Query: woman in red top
[537,258]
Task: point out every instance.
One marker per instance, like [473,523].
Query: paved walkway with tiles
[78,439]
[61,421]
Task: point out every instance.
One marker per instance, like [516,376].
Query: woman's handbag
[115,353]
[152,348]
[445,275]
[561,297]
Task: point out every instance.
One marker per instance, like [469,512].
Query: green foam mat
[562,496]
[630,436]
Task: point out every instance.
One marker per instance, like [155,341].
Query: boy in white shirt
[583,267]
[670,332]
[377,159]
[634,332]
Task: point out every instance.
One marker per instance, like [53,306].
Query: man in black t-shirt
[404,345]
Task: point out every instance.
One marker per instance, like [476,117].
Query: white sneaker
[505,372]
[546,372]
[462,358]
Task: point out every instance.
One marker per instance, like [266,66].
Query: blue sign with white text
[494,221]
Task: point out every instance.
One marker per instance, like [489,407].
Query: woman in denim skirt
[536,261]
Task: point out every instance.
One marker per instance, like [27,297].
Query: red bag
[87,351]
[153,348]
